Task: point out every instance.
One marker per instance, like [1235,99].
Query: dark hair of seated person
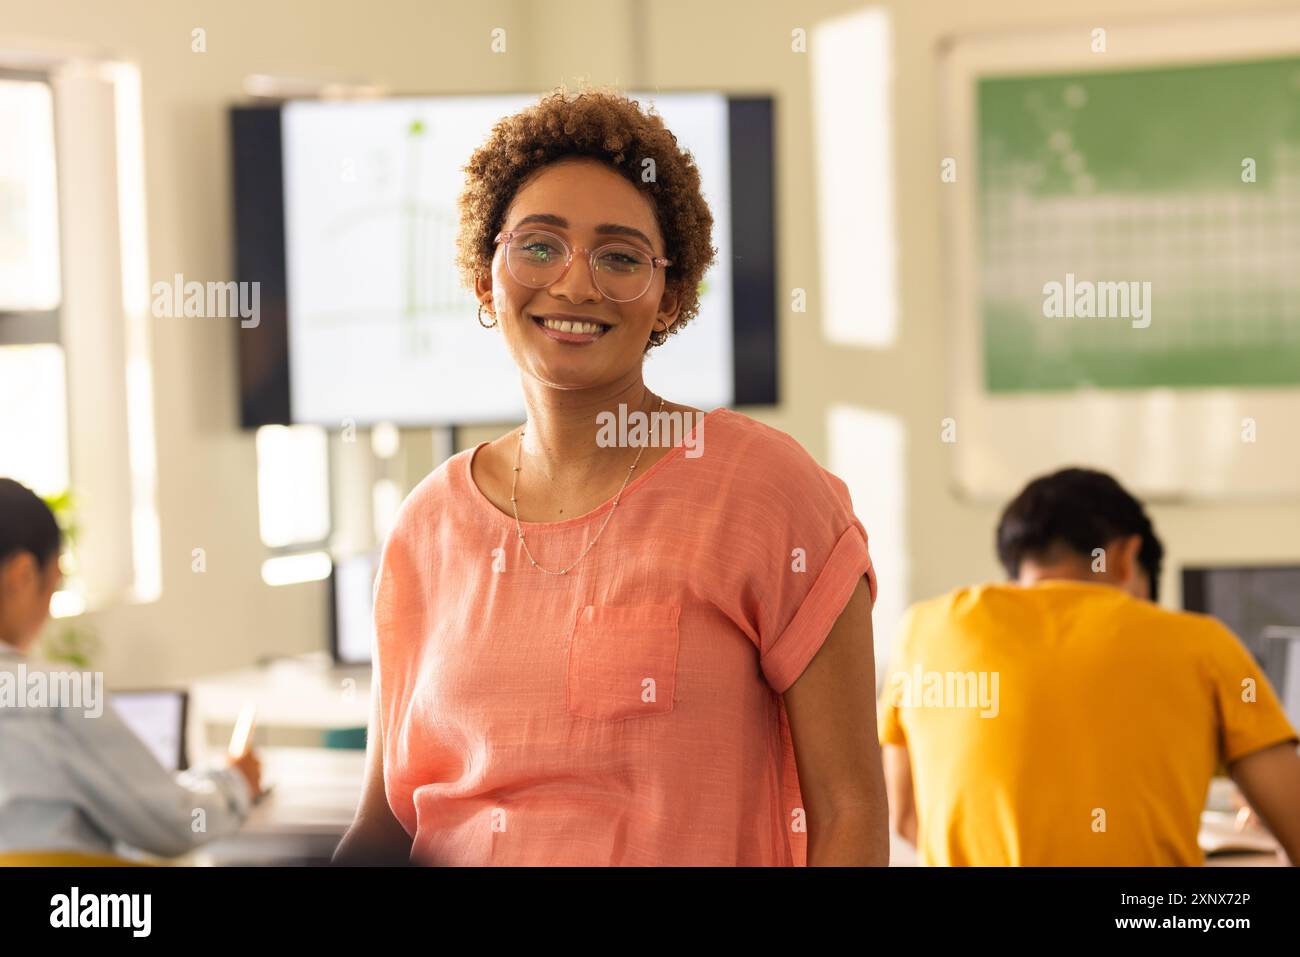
[1080,510]
[26,524]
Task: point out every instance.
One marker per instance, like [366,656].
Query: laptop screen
[1262,607]
[158,719]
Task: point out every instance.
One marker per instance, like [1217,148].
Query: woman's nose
[578,277]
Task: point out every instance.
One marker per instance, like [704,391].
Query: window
[34,417]
[33,400]
[74,331]
[293,500]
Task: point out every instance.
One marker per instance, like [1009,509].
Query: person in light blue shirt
[73,777]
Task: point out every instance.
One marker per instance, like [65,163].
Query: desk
[314,791]
[305,692]
[1217,828]
[301,821]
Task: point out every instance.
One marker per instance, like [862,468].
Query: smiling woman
[628,652]
[664,200]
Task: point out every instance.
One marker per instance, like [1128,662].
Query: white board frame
[1164,444]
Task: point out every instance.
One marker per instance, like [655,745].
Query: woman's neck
[560,436]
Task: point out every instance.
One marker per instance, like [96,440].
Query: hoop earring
[485,325]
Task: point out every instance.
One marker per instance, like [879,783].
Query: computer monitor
[346,223]
[351,603]
[158,719]
[1262,607]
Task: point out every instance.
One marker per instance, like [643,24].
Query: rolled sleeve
[788,656]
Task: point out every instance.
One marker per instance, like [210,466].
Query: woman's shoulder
[434,493]
[761,445]
[757,463]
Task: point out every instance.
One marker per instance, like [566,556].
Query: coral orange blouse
[629,712]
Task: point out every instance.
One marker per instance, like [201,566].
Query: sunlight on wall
[867,452]
[852,87]
[292,485]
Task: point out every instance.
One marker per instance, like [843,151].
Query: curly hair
[608,126]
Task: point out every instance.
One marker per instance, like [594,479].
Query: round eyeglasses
[538,258]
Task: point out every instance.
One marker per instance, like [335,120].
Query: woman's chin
[577,371]
[566,378]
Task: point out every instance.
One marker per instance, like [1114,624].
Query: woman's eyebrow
[604,229]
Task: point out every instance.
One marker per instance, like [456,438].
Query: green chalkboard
[1182,184]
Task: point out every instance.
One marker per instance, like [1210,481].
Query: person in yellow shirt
[1064,718]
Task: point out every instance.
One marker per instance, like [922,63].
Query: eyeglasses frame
[656,262]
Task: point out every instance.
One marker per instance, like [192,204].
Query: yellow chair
[64,859]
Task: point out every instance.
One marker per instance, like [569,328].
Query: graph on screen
[380,326]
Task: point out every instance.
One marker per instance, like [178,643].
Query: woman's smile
[570,329]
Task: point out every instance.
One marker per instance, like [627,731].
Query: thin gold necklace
[514,504]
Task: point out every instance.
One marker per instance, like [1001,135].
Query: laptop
[157,717]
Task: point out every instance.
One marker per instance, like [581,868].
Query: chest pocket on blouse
[623,661]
